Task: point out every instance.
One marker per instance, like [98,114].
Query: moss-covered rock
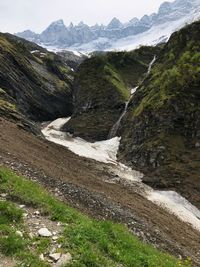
[161,130]
[34,83]
[101,88]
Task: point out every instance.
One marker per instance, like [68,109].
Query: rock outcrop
[101,89]
[34,83]
[161,129]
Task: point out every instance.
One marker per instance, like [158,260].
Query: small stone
[37,212]
[25,215]
[22,206]
[55,238]
[44,232]
[19,233]
[65,259]
[41,257]
[52,251]
[197,145]
[55,256]
[30,235]
[3,195]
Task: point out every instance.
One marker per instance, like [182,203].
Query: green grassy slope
[90,242]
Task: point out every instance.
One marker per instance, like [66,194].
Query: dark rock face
[72,60]
[33,82]
[162,126]
[97,101]
[101,88]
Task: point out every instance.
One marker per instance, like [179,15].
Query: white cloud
[18,15]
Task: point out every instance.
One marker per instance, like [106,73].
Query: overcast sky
[18,15]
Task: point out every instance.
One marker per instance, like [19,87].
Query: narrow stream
[114,129]
[151,64]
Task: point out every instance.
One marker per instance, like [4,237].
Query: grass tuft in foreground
[92,243]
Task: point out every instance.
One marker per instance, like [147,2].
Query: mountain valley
[101,151]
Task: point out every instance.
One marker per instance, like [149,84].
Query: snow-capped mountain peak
[149,30]
[58,23]
[114,24]
[133,21]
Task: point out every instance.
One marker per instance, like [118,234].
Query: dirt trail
[83,184]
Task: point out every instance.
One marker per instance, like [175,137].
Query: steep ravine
[167,199]
[123,165]
[116,126]
[102,85]
[106,151]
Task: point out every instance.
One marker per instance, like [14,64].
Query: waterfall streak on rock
[151,64]
[113,131]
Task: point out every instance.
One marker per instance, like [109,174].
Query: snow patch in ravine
[103,151]
[106,152]
[177,205]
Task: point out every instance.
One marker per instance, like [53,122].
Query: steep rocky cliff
[161,130]
[101,88]
[34,83]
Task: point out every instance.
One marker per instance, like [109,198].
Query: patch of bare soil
[81,182]
[6,262]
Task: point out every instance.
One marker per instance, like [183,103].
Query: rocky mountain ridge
[101,37]
[35,85]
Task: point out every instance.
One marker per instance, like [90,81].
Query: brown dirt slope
[82,182]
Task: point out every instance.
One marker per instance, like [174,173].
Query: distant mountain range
[151,29]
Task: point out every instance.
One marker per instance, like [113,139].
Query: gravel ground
[84,184]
